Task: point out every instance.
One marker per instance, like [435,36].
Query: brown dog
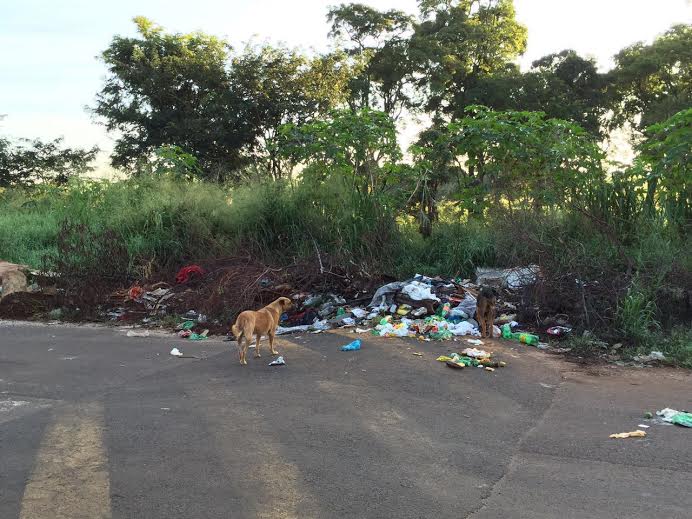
[485,310]
[258,323]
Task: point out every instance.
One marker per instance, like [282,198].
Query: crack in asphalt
[511,465]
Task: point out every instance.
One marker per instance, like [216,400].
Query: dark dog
[485,310]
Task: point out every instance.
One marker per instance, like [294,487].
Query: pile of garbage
[430,309]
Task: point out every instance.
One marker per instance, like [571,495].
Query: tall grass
[163,222]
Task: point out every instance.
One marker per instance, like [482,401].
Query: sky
[50,72]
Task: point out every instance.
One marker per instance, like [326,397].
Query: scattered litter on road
[417,354]
[475,342]
[471,357]
[363,330]
[684,419]
[352,346]
[199,336]
[648,415]
[138,333]
[475,353]
[643,426]
[281,330]
[667,414]
[632,434]
[547,386]
[675,417]
[279,361]
[176,352]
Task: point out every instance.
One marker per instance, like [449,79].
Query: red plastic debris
[135,292]
[183,275]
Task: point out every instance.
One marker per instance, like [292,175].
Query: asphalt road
[95,424]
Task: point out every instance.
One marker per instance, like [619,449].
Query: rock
[12,279]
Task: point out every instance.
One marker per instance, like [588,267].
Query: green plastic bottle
[443,310]
[526,338]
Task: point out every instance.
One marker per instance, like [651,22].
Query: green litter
[684,419]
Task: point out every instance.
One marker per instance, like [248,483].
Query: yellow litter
[632,434]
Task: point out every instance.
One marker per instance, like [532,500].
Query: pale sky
[49,71]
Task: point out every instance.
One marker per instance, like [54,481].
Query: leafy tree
[519,157]
[174,161]
[26,162]
[284,86]
[459,43]
[651,83]
[566,86]
[360,146]
[175,89]
[563,85]
[665,163]
[378,42]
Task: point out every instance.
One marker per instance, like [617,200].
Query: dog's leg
[271,343]
[480,319]
[491,320]
[257,346]
[246,344]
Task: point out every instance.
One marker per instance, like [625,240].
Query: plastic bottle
[443,310]
[526,338]
[355,345]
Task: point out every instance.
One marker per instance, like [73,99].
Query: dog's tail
[237,332]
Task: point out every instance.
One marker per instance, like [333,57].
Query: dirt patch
[25,305]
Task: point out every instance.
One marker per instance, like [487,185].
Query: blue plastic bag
[351,346]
